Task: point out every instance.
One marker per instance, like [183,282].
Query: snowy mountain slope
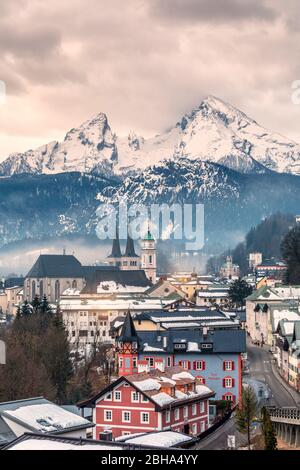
[90,147]
[214,132]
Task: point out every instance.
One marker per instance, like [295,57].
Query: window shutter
[203,365]
[189,365]
[194,365]
[232,365]
[223,382]
[224,368]
[233,382]
[203,381]
[179,363]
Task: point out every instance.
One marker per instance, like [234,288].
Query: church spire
[130,252]
[116,250]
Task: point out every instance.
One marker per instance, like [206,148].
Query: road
[261,371]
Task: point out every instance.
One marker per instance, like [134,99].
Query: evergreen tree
[26,309]
[238,292]
[56,356]
[44,305]
[36,304]
[246,413]
[290,248]
[18,314]
[268,431]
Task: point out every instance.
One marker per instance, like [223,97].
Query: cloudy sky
[144,63]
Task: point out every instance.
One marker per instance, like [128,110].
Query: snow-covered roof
[157,380]
[42,416]
[48,444]
[162,439]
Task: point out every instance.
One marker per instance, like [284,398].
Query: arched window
[41,289]
[74,284]
[57,290]
[33,289]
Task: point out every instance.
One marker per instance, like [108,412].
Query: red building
[153,400]
[142,400]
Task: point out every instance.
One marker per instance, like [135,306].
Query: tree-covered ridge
[266,237]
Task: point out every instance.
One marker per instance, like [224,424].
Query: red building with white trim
[153,400]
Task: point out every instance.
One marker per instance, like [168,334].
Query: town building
[144,441]
[255,259]
[266,306]
[130,260]
[272,268]
[213,353]
[53,274]
[107,294]
[10,298]
[230,270]
[160,399]
[215,295]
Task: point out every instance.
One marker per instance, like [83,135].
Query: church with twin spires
[130,260]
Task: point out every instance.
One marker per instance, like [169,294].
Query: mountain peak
[215,131]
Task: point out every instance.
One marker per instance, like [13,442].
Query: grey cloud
[212,10]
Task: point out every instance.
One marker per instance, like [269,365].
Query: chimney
[205,331]
[143,366]
[165,342]
[159,364]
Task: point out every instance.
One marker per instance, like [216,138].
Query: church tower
[127,348]
[130,260]
[114,259]
[148,256]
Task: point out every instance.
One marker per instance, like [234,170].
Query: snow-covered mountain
[214,132]
[90,147]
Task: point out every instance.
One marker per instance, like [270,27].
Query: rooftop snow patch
[47,417]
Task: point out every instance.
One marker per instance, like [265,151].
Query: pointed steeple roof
[130,252]
[128,332]
[116,250]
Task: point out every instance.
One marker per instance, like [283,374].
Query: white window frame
[105,416]
[202,426]
[176,414]
[202,407]
[185,411]
[194,429]
[115,397]
[230,383]
[229,363]
[108,396]
[145,399]
[135,394]
[168,416]
[123,416]
[194,409]
[142,415]
[199,368]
